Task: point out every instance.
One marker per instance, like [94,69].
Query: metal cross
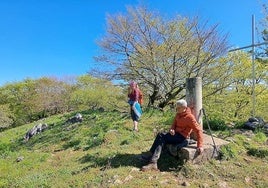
[253,45]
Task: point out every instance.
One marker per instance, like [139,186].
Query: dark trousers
[134,117]
[161,140]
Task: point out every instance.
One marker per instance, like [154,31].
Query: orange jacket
[184,123]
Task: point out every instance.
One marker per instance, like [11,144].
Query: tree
[14,96]
[93,93]
[262,50]
[160,53]
[6,117]
[235,101]
[50,97]
[30,100]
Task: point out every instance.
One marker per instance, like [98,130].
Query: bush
[260,137]
[215,124]
[258,152]
[228,152]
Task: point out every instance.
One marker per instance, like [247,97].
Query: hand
[200,150]
[172,132]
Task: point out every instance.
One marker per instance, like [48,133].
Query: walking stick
[215,147]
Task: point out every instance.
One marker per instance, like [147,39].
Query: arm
[199,132]
[173,126]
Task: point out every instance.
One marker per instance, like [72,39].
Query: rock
[186,184]
[190,154]
[77,118]
[19,159]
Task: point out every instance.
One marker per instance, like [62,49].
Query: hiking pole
[215,147]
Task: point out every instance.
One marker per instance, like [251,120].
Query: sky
[57,38]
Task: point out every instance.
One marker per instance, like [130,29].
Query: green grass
[102,151]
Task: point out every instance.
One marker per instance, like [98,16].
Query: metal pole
[253,67]
[214,144]
[253,45]
[259,44]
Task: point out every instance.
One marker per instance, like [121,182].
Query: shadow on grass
[165,163]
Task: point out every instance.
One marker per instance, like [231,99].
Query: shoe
[150,167]
[146,156]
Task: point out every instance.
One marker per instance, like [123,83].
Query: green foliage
[235,102]
[258,152]
[241,140]
[31,100]
[71,144]
[242,143]
[177,53]
[260,137]
[239,124]
[5,149]
[228,152]
[102,151]
[167,117]
[6,116]
[95,93]
[95,140]
[215,124]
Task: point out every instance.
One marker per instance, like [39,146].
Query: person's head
[132,84]
[181,105]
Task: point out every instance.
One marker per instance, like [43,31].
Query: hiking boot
[150,166]
[147,156]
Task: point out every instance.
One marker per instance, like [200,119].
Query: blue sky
[56,38]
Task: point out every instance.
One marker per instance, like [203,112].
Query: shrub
[72,143]
[260,137]
[258,152]
[228,152]
[215,124]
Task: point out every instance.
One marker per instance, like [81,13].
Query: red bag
[140,99]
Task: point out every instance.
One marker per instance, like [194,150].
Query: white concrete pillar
[194,97]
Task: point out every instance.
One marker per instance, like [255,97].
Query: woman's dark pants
[161,140]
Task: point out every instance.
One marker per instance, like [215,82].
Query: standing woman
[135,110]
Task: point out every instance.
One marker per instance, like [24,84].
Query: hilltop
[102,151]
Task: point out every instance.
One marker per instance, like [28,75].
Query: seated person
[184,123]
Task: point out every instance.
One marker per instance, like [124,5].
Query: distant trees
[6,116]
[49,96]
[94,93]
[234,102]
[14,96]
[161,53]
[31,100]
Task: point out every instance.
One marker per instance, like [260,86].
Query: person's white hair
[181,102]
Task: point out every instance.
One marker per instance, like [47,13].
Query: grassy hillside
[102,151]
